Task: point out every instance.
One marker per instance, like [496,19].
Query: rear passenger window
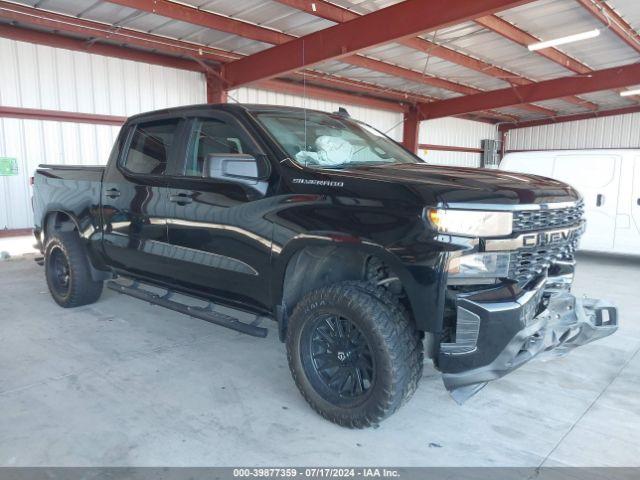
[150,147]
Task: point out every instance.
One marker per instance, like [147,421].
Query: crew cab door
[218,231]
[134,197]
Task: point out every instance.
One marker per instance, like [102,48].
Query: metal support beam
[613,21]
[337,96]
[196,16]
[449,148]
[401,20]
[207,19]
[515,34]
[60,116]
[216,88]
[411,130]
[519,36]
[607,79]
[59,41]
[338,14]
[96,30]
[505,127]
[383,100]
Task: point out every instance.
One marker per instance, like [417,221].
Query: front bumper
[496,337]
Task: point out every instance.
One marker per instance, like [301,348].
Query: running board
[208,314]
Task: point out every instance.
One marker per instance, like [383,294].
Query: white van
[609,181]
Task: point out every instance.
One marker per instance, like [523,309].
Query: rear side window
[150,147]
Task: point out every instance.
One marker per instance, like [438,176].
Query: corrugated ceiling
[544,19]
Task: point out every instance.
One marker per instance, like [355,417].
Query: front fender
[422,283]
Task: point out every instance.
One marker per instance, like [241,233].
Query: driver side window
[214,135]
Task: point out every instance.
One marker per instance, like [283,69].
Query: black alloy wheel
[340,359]
[354,352]
[60,274]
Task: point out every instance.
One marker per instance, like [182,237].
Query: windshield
[324,140]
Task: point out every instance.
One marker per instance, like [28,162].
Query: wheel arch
[310,263]
[60,220]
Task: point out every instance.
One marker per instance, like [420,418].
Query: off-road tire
[80,288]
[395,344]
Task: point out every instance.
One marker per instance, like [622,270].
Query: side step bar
[208,314]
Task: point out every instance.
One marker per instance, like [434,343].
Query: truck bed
[74,189]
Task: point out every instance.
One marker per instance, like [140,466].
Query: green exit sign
[8,166]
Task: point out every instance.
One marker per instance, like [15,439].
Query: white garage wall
[41,77]
[385,121]
[621,131]
[455,132]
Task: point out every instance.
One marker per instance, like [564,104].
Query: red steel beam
[332,81]
[54,40]
[411,130]
[448,148]
[66,23]
[73,25]
[58,41]
[519,36]
[570,118]
[386,25]
[607,79]
[60,116]
[207,19]
[614,21]
[215,87]
[337,14]
[200,17]
[320,93]
[16,232]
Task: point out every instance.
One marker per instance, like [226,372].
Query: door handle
[112,193]
[638,202]
[599,200]
[181,198]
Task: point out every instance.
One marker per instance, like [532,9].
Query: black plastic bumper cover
[510,335]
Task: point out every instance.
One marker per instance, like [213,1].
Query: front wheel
[68,271]
[353,353]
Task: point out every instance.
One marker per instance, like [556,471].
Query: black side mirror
[237,168]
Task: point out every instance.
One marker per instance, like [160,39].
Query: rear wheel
[68,271]
[353,353]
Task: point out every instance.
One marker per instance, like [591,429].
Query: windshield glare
[324,140]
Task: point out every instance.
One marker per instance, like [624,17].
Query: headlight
[471,223]
[480,265]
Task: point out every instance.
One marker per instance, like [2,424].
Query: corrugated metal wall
[455,132]
[621,131]
[385,121]
[35,76]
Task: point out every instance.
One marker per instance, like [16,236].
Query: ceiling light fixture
[562,40]
[628,93]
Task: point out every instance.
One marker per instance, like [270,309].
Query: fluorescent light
[628,93]
[562,40]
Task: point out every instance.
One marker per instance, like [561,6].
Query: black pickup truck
[364,255]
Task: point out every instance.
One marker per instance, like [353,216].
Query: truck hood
[450,185]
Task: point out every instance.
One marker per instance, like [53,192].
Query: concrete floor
[123,383]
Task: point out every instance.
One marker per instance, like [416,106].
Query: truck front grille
[535,220]
[529,263]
